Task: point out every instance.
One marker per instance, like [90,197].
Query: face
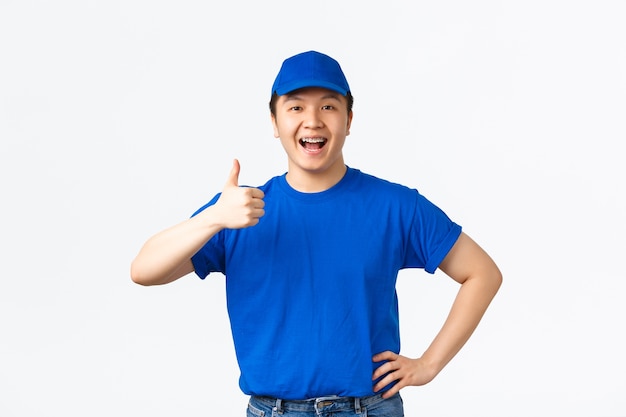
[312,125]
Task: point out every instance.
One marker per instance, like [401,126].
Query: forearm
[166,256]
[468,308]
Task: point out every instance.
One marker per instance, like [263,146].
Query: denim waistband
[321,404]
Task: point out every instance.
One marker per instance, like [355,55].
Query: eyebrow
[295,96]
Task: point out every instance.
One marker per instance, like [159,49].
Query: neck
[315,182]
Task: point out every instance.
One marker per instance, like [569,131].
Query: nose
[313,119]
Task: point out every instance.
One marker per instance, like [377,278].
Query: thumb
[233,177]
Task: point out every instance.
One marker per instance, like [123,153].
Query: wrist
[432,364]
[211,219]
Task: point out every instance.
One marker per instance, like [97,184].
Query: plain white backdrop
[120,118]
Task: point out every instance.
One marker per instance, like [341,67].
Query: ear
[274,125]
[349,122]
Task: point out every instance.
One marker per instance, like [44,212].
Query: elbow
[139,276]
[496,279]
[489,279]
[147,274]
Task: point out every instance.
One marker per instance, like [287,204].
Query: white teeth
[313,140]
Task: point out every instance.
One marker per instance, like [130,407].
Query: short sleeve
[432,235]
[210,258]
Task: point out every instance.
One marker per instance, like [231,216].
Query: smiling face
[312,125]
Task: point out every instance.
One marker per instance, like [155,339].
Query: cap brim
[288,88]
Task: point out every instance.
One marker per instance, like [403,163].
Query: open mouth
[313,143]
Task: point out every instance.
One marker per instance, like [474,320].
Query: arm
[166,256]
[469,265]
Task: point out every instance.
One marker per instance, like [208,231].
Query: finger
[382,370]
[392,391]
[233,176]
[385,356]
[258,204]
[388,379]
[256,193]
[259,213]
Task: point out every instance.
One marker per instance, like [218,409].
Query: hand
[404,371]
[239,207]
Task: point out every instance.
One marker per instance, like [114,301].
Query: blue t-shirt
[311,288]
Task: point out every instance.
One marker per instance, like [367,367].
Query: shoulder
[378,192]
[271,184]
[377,185]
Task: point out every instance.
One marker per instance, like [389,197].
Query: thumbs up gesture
[239,207]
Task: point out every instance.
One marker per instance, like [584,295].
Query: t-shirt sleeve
[210,258]
[432,235]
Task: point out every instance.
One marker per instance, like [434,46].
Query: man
[311,260]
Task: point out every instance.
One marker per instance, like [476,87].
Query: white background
[120,118]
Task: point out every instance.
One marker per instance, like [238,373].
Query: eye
[328,107]
[295,108]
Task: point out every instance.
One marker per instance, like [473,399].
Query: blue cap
[310,69]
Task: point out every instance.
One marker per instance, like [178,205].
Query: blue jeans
[374,406]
